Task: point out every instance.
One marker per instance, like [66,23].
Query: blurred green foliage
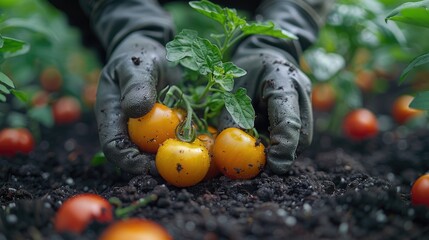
[50,42]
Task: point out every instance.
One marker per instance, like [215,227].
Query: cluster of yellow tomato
[232,152]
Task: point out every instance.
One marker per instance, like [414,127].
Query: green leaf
[6,80]
[239,105]
[233,21]
[420,60]
[180,47]
[2,98]
[193,52]
[21,95]
[3,89]
[13,47]
[421,101]
[268,29]
[206,54]
[33,24]
[415,13]
[233,70]
[209,9]
[98,159]
[42,115]
[1,41]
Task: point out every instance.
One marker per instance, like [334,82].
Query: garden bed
[336,190]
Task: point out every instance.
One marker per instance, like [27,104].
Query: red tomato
[323,96]
[66,110]
[237,154]
[15,140]
[151,130]
[51,79]
[420,191]
[402,112]
[79,211]
[135,229]
[360,124]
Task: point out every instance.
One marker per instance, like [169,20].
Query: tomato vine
[208,59]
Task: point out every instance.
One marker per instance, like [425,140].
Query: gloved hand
[279,90]
[134,33]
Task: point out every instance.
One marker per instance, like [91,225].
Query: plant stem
[126,211]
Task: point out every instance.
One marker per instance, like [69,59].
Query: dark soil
[336,190]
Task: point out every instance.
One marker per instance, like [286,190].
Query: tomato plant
[420,191]
[79,211]
[51,79]
[66,110]
[360,124]
[182,164]
[323,96]
[15,140]
[135,228]
[401,110]
[151,130]
[237,154]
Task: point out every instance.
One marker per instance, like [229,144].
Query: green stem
[126,211]
[210,83]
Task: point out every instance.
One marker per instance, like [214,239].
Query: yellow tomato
[151,130]
[182,164]
[238,155]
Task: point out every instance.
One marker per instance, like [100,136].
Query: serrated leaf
[180,46]
[42,115]
[421,101]
[226,83]
[418,61]
[239,106]
[13,47]
[6,80]
[233,21]
[415,13]
[209,9]
[193,52]
[233,70]
[267,29]
[207,55]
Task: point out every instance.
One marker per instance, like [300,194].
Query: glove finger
[285,92]
[112,127]
[137,76]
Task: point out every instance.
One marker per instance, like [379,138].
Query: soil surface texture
[337,189]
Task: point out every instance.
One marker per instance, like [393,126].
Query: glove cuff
[114,20]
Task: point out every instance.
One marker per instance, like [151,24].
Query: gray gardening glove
[134,33]
[279,90]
